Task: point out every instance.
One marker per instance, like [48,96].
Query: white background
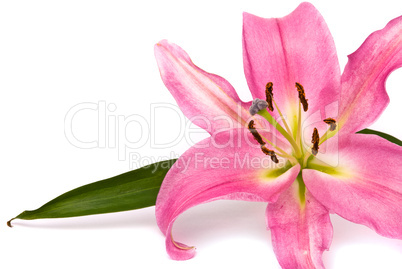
[57,54]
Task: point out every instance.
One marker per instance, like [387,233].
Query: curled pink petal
[237,171]
[301,231]
[206,99]
[363,94]
[366,186]
[355,176]
[295,48]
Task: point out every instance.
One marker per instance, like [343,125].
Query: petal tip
[178,251]
[307,5]
[246,15]
[161,43]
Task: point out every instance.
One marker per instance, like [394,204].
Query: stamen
[269,153]
[332,123]
[255,134]
[257,105]
[261,140]
[269,95]
[316,137]
[302,96]
[315,140]
[257,137]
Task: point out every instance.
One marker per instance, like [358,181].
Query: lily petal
[206,99]
[295,48]
[239,172]
[366,186]
[363,94]
[300,231]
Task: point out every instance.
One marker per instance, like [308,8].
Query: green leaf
[383,135]
[132,190]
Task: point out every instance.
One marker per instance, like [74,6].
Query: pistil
[264,113]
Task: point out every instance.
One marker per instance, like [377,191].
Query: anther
[257,105]
[302,96]
[332,123]
[254,132]
[270,153]
[257,137]
[315,140]
[269,95]
[274,159]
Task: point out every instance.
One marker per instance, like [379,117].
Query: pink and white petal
[231,167]
[366,186]
[206,99]
[295,48]
[300,231]
[363,93]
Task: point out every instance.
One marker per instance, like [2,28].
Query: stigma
[257,105]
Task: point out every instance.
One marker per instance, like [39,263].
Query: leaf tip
[9,222]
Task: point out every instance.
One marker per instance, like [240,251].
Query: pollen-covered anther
[254,132]
[269,95]
[331,122]
[302,96]
[270,153]
[315,140]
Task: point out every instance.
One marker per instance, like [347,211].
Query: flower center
[299,153]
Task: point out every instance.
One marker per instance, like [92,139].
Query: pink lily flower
[293,73]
